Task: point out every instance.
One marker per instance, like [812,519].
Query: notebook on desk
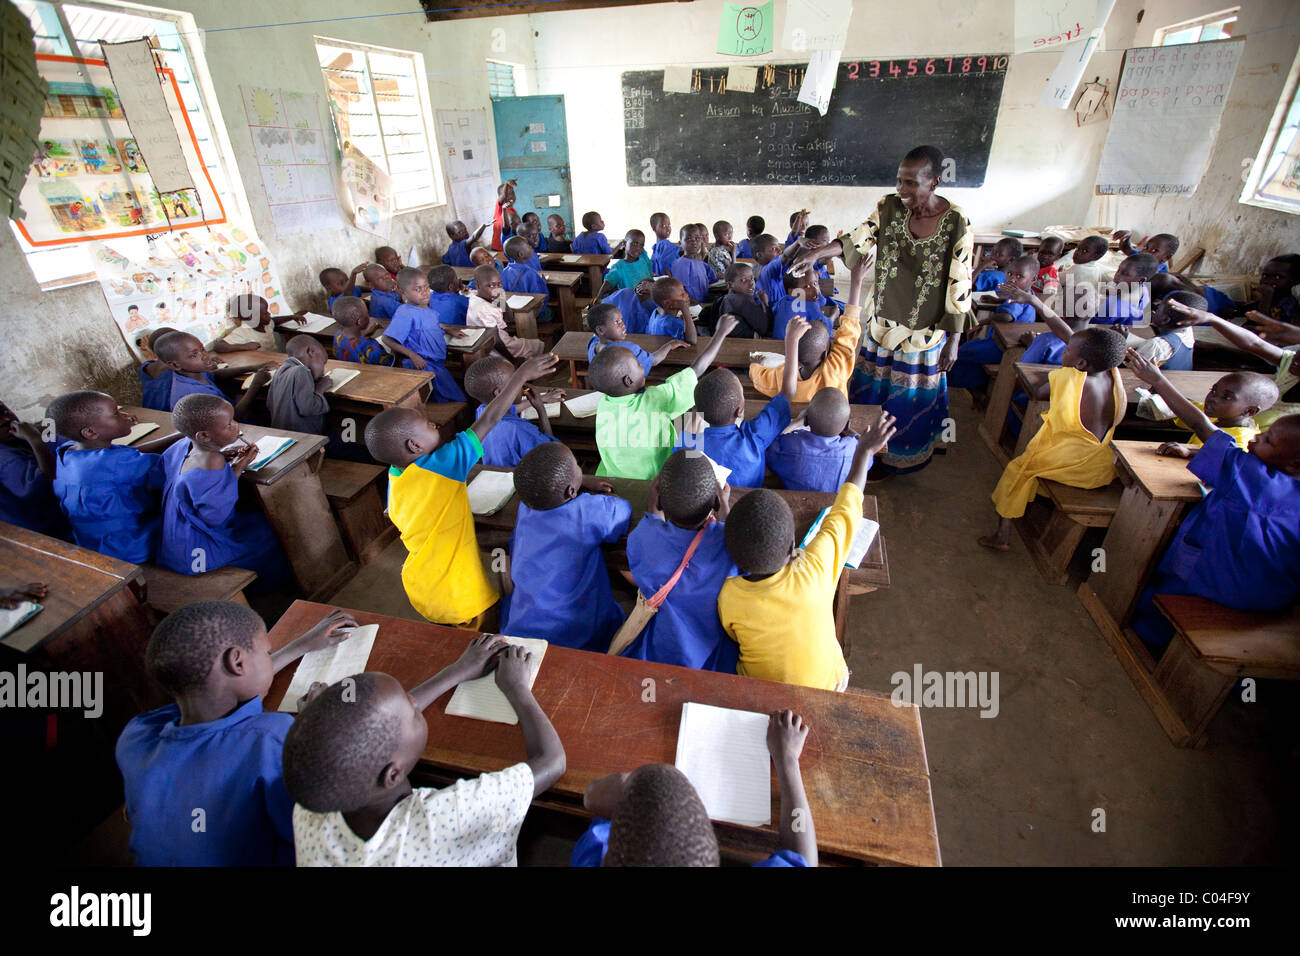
[530,414]
[858,547]
[518,301]
[269,447]
[489,491]
[481,698]
[469,340]
[583,406]
[315,323]
[329,665]
[340,377]
[723,753]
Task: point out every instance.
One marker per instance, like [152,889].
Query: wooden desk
[561,284]
[294,501]
[734,354]
[1007,336]
[864,764]
[592,265]
[377,387]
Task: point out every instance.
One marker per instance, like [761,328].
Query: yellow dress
[1241,434]
[1063,450]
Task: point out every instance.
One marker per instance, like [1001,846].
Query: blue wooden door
[533,148]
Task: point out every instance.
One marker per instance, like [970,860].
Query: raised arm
[535,367]
[874,439]
[726,324]
[688,326]
[1243,339]
[1150,373]
[1055,323]
[794,331]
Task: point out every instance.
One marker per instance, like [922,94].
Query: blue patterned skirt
[912,389]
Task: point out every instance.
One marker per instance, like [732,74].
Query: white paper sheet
[677,79]
[138,90]
[570,258]
[136,433]
[315,323]
[268,447]
[819,80]
[1054,24]
[815,25]
[723,753]
[482,699]
[528,413]
[519,301]
[767,359]
[858,547]
[329,665]
[489,491]
[583,406]
[741,79]
[340,377]
[12,618]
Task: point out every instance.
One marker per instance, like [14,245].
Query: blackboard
[879,110]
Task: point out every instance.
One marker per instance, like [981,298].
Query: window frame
[1288,102]
[1230,13]
[518,76]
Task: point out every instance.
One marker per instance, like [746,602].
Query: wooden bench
[1074,510]
[1213,647]
[167,591]
[352,489]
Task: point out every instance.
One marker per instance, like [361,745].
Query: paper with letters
[741,79]
[815,25]
[819,80]
[138,90]
[1053,24]
[723,753]
[481,698]
[490,490]
[1074,60]
[329,665]
[677,79]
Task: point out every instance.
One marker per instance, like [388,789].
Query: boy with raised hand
[460,240]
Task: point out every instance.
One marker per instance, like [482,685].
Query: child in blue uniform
[741,301]
[415,335]
[1240,546]
[194,370]
[592,241]
[802,299]
[107,491]
[690,269]
[732,441]
[561,585]
[1172,344]
[27,471]
[816,458]
[1129,295]
[155,376]
[672,314]
[684,501]
[754,227]
[445,300]
[608,328]
[457,253]
[214,748]
[665,251]
[202,530]
[385,296]
[975,353]
[768,285]
[632,269]
[338,283]
[518,275]
[513,437]
[991,271]
[352,343]
[541,245]
[532,233]
[1162,245]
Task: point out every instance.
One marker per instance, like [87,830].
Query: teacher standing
[920,305]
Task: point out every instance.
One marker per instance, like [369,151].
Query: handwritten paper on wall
[1050,26]
[468,163]
[1074,61]
[745,30]
[815,25]
[132,68]
[1166,117]
[819,81]
[292,159]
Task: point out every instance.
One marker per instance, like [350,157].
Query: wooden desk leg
[573,373]
[1033,421]
[595,276]
[568,309]
[842,595]
[425,391]
[526,324]
[1194,689]
[300,514]
[1134,542]
[995,416]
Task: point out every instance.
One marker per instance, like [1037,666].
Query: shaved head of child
[1239,396]
[183,352]
[765,248]
[813,348]
[828,413]
[1162,245]
[669,293]
[1278,446]
[1050,249]
[660,821]
[548,476]
[720,397]
[606,320]
[1164,317]
[478,256]
[200,412]
[456,231]
[309,352]
[334,281]
[661,225]
[250,308]
[350,312]
[414,286]
[398,436]
[387,257]
[487,376]
[377,277]
[759,533]
[754,226]
[1090,249]
[519,249]
[209,640]
[616,371]
[88,415]
[443,279]
[1094,349]
[688,488]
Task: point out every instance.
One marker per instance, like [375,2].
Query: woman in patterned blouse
[920,306]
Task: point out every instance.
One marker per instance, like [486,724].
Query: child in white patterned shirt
[485,310]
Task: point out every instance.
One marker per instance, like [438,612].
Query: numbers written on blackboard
[926,66]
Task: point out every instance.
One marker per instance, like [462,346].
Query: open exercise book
[269,447]
[519,301]
[583,406]
[767,359]
[136,433]
[338,377]
[490,490]
[723,753]
[528,413]
[469,340]
[315,323]
[329,665]
[857,548]
[13,618]
[482,699]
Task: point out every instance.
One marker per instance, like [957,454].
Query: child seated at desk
[486,310]
[155,376]
[214,747]
[632,269]
[416,335]
[740,300]
[338,283]
[27,470]
[721,253]
[1080,277]
[533,236]
[561,588]
[730,439]
[684,501]
[1173,341]
[1124,300]
[518,276]
[991,271]
[672,314]
[816,457]
[385,295]
[532,219]
[513,436]
[802,299]
[769,269]
[779,610]
[195,371]
[665,251]
[981,348]
[1279,285]
[1232,404]
[107,491]
[445,299]
[636,305]
[296,398]
[202,530]
[390,259]
[352,343]
[1240,545]
[1088,402]
[592,241]
[557,239]
[634,431]
[254,326]
[427,501]
[1162,246]
[460,240]
[1047,282]
[348,756]
[482,257]
[754,227]
[653,816]
[690,269]
[608,328]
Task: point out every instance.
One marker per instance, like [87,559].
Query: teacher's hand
[948,355]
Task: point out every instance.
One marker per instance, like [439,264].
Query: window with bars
[1273,179]
[501,79]
[1214,26]
[379,102]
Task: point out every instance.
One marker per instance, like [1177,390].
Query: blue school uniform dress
[1220,303]
[1162,267]
[1181,359]
[329,302]
[457,254]
[636,314]
[1240,546]
[686,632]
[198,513]
[660,323]
[541,244]
[108,496]
[450,307]
[27,497]
[695,275]
[418,330]
[518,277]
[155,393]
[988,280]
[590,244]
[790,240]
[1114,310]
[562,591]
[231,767]
[744,250]
[973,355]
[625,275]
[663,255]
[592,846]
[510,439]
[788,306]
[743,448]
[645,358]
[808,462]
[383,304]
[768,279]
[183,385]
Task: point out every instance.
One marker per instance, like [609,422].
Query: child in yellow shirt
[1232,403]
[779,611]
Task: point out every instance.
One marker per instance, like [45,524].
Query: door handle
[564,173]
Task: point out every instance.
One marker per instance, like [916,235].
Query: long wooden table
[290,490]
[376,388]
[593,265]
[733,354]
[864,763]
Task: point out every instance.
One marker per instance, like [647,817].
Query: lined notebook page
[583,406]
[723,753]
[489,491]
[12,618]
[315,323]
[136,433]
[268,447]
[329,665]
[482,699]
[858,547]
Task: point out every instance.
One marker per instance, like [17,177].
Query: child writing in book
[27,470]
[416,336]
[428,502]
[195,371]
[592,240]
[561,587]
[632,269]
[348,757]
[634,430]
[338,283]
[202,530]
[486,310]
[385,295]
[608,328]
[352,343]
[665,251]
[518,276]
[214,747]
[155,376]
[691,269]
[730,439]
[818,457]
[513,436]
[672,314]
[685,508]
[635,305]
[460,240]
[296,398]
[1240,545]
[779,585]
[653,816]
[1232,404]
[108,492]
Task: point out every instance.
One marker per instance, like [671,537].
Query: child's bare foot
[994,542]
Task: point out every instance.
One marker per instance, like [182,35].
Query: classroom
[671,433]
